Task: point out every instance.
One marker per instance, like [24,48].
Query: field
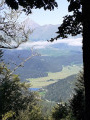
[53,77]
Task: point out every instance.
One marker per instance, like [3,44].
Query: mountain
[40,33]
[44,33]
[30,24]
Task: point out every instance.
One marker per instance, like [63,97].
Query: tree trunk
[86,55]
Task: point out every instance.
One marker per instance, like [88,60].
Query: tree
[14,95]
[60,111]
[30,4]
[33,114]
[77,103]
[72,24]
[12,33]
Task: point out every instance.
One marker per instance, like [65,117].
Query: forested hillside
[61,90]
[39,66]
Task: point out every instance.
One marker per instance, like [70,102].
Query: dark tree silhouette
[30,4]
[77,103]
[78,22]
[72,24]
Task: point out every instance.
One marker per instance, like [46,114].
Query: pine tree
[77,103]
[15,96]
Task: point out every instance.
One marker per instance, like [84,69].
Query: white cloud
[72,42]
[44,44]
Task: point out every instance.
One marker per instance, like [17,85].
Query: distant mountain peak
[30,24]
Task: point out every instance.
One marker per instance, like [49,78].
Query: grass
[44,81]
[42,93]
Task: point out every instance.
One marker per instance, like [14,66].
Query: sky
[54,17]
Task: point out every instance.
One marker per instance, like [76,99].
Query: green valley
[53,77]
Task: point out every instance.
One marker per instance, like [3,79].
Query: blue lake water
[34,89]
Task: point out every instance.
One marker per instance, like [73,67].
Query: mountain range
[40,33]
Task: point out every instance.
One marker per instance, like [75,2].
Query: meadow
[53,77]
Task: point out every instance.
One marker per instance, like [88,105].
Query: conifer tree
[77,103]
[15,96]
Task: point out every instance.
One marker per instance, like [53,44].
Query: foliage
[46,107]
[77,103]
[8,115]
[72,24]
[60,111]
[30,114]
[30,4]
[14,95]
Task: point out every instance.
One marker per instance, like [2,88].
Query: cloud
[45,44]
[72,42]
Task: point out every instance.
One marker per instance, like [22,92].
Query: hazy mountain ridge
[30,24]
[40,33]
[43,33]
